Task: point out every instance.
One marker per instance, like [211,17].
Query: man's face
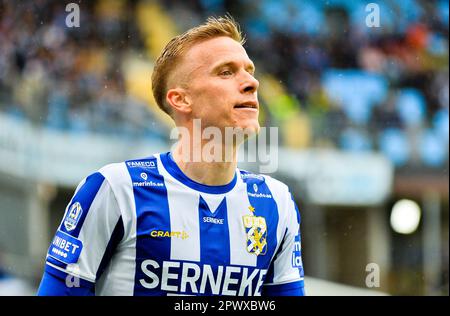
[220,85]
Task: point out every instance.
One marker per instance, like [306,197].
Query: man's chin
[249,130]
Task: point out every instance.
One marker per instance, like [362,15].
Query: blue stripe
[152,213]
[85,195]
[177,173]
[267,208]
[214,239]
[115,239]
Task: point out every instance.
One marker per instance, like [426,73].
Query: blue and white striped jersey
[142,227]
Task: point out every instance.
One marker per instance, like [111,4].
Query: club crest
[256,229]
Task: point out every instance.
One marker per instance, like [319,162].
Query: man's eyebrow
[249,67]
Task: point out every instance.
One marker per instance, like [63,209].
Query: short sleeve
[89,232]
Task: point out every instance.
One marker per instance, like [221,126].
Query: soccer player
[172,225]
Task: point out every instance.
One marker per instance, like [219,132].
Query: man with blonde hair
[185,222]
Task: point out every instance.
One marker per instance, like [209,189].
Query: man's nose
[250,84]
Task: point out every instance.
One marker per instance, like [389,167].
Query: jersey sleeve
[84,242]
[286,276]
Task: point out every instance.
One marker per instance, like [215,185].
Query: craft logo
[169,234]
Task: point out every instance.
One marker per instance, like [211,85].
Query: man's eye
[226,73]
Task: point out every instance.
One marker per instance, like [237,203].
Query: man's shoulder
[120,172]
[265,188]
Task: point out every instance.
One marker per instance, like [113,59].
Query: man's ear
[179,100]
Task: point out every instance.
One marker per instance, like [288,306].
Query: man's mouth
[247,105]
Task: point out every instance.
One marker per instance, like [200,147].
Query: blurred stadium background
[363,117]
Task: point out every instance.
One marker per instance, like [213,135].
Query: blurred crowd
[71,78]
[361,88]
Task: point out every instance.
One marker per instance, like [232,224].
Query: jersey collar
[175,171]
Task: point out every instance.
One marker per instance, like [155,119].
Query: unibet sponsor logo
[65,247]
[192,278]
[168,234]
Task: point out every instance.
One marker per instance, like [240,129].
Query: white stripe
[237,207]
[183,209]
[118,279]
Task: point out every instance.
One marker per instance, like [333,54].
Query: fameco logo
[141,164]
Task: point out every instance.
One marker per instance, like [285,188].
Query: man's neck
[209,173]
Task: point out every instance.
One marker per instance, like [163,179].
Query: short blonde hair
[176,48]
